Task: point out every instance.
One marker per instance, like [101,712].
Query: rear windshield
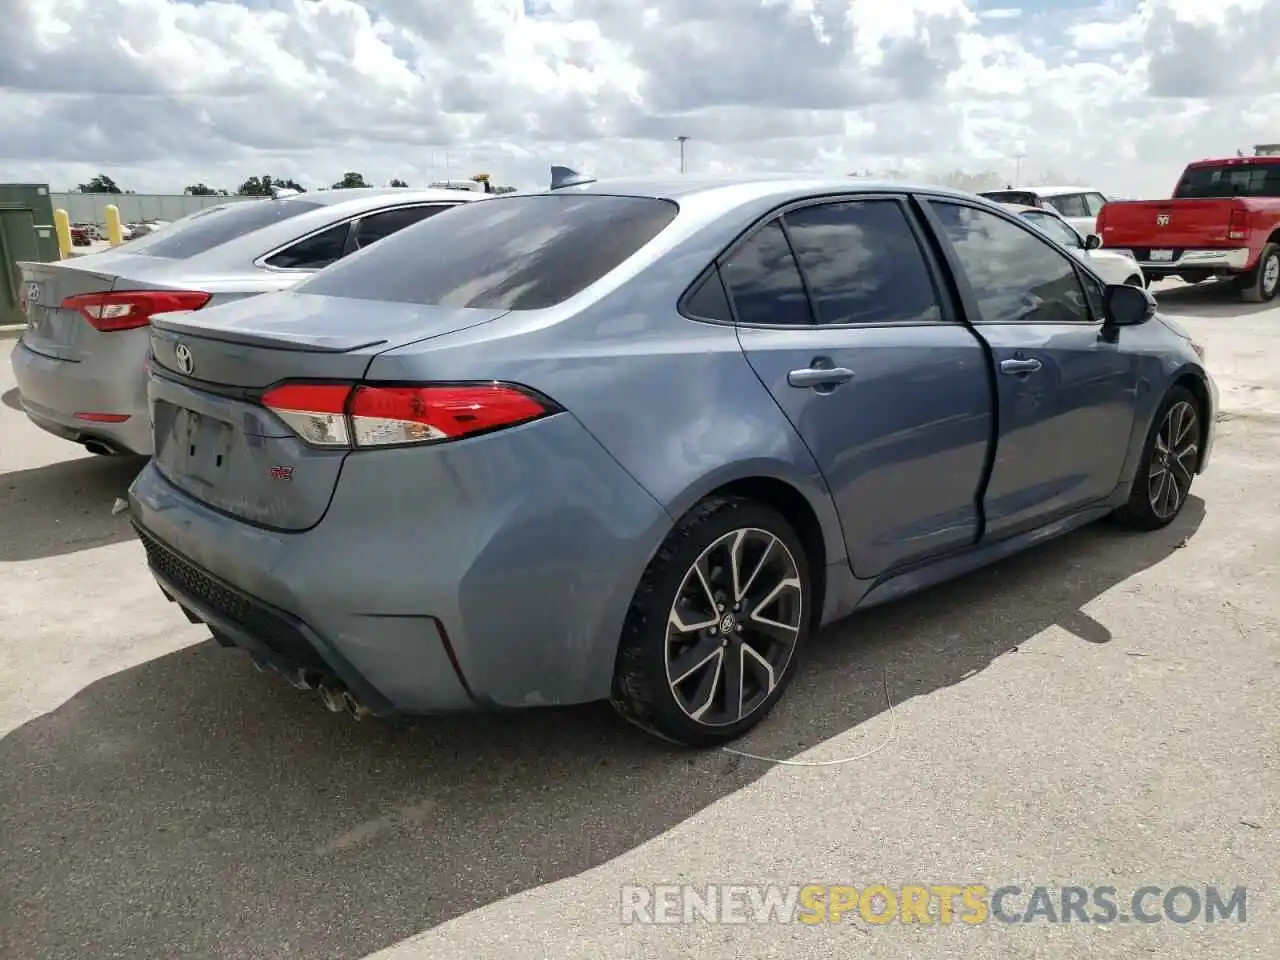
[503,253]
[215,226]
[1230,180]
[1021,197]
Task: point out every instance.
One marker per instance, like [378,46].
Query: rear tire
[1168,465]
[703,675]
[1136,281]
[1263,283]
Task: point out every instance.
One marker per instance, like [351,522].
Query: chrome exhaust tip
[332,698]
[354,706]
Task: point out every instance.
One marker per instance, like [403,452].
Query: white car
[1079,206]
[1113,266]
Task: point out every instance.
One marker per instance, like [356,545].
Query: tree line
[263,186]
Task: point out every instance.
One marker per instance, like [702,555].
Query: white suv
[1079,206]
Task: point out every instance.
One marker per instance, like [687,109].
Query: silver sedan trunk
[81,363]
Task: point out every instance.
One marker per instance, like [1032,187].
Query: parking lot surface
[1100,711]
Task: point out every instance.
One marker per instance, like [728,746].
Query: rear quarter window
[504,253]
[211,228]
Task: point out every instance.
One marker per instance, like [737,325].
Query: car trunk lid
[63,333]
[214,438]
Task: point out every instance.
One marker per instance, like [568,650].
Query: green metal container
[26,233]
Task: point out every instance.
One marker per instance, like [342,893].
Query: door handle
[819,376]
[1030,365]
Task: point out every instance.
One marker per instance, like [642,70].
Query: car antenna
[567,177]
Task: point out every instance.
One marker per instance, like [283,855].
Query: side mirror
[1092,242]
[1127,306]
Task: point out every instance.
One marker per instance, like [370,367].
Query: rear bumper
[53,391]
[489,573]
[1233,260]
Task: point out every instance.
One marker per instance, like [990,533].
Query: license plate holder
[206,445]
[1161,256]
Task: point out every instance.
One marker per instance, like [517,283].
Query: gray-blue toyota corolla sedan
[637,440]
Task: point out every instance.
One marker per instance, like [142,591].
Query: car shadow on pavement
[1215,299]
[191,805]
[64,507]
[11,399]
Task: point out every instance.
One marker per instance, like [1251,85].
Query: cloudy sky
[163,93]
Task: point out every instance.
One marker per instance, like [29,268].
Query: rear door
[1067,397]
[841,314]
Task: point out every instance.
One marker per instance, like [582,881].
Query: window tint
[1024,197]
[376,226]
[1069,205]
[1230,180]
[215,226]
[502,253]
[1016,277]
[316,251]
[709,301]
[762,278]
[1095,202]
[1053,227]
[863,263]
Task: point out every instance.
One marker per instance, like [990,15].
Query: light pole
[681,140]
[1017,170]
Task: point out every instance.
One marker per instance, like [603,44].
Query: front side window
[863,263]
[1095,202]
[761,277]
[1055,228]
[518,252]
[1015,276]
[1069,205]
[315,252]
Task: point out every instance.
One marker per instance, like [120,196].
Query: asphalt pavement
[1100,711]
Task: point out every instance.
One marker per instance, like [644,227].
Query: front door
[862,352]
[1067,397]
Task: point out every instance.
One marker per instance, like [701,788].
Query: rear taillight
[130,309]
[1238,226]
[340,415]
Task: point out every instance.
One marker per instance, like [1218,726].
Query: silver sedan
[80,365]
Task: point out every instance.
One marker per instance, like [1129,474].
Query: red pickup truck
[1223,221]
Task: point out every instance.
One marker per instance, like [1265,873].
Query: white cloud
[159,94]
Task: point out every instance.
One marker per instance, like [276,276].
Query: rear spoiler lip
[176,323]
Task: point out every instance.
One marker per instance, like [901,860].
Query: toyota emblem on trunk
[1162,220]
[182,353]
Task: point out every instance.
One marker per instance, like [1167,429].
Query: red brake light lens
[337,415]
[130,309]
[1238,227]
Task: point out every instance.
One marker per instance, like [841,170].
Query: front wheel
[715,628]
[1168,466]
[1136,281]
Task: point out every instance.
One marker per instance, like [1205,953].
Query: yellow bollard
[115,233]
[62,224]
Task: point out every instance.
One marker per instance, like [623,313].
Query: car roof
[740,188]
[374,196]
[230,266]
[1058,191]
[1021,208]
